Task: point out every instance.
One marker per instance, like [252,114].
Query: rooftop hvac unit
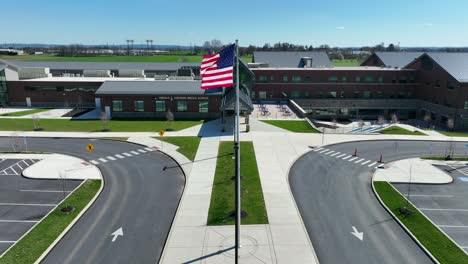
[132,73]
[33,73]
[97,73]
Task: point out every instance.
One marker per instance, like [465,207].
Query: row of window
[438,84]
[60,89]
[333,79]
[160,106]
[334,94]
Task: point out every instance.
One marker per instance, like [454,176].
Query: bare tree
[170,118]
[36,122]
[104,120]
[361,124]
[428,119]
[451,148]
[381,120]
[334,124]
[394,118]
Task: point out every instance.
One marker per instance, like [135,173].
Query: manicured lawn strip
[454,134]
[66,125]
[394,130]
[430,236]
[156,58]
[26,112]
[188,146]
[117,138]
[28,249]
[345,63]
[293,126]
[222,198]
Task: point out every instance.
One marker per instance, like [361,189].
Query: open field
[28,249]
[26,112]
[345,63]
[430,236]
[188,146]
[116,125]
[223,197]
[156,58]
[394,130]
[293,126]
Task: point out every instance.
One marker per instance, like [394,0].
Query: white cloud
[340,28]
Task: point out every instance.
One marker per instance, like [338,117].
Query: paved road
[333,195]
[138,196]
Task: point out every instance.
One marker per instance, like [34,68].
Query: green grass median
[26,112]
[222,203]
[188,146]
[115,125]
[298,126]
[440,246]
[395,130]
[31,247]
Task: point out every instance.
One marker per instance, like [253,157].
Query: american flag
[217,69]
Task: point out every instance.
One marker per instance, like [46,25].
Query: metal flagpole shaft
[237,160]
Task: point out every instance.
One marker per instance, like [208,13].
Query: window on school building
[342,94]
[369,79]
[450,85]
[402,79]
[367,94]
[160,106]
[272,78]
[332,94]
[181,106]
[262,78]
[332,79]
[285,78]
[466,105]
[295,94]
[437,84]
[117,106]
[203,106]
[344,79]
[262,95]
[296,79]
[308,79]
[320,94]
[357,79]
[139,106]
[307,94]
[380,79]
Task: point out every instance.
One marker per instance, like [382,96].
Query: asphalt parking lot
[446,205]
[24,202]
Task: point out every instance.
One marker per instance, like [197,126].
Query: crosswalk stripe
[359,160]
[134,152]
[149,149]
[372,164]
[94,162]
[336,153]
[120,156]
[142,151]
[111,158]
[127,154]
[318,149]
[347,157]
[323,150]
[102,160]
[364,163]
[329,152]
[352,159]
[344,154]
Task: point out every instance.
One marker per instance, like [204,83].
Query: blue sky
[312,22]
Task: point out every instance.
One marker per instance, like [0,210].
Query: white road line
[17,164]
[25,163]
[11,168]
[127,154]
[329,152]
[111,158]
[120,156]
[431,195]
[44,191]
[18,221]
[443,209]
[344,154]
[352,159]
[142,151]
[359,160]
[347,157]
[364,163]
[23,204]
[94,162]
[452,226]
[335,154]
[102,160]
[134,152]
[323,150]
[7,242]
[149,149]
[372,164]
[32,161]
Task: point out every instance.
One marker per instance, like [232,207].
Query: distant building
[292,59]
[11,52]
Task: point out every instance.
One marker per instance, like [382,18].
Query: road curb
[434,260]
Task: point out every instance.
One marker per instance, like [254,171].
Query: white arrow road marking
[118,232]
[359,235]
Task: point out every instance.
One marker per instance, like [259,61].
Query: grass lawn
[26,112]
[454,134]
[188,146]
[294,126]
[345,63]
[137,125]
[430,236]
[394,130]
[156,58]
[28,249]
[222,203]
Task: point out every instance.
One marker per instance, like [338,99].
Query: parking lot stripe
[452,226]
[364,163]
[24,204]
[134,152]
[94,162]
[127,154]
[44,191]
[142,151]
[17,164]
[359,160]
[33,161]
[336,153]
[18,221]
[352,159]
[120,156]
[443,209]
[102,160]
[25,162]
[111,158]
[431,195]
[11,168]
[370,165]
[347,157]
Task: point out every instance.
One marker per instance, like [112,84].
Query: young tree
[394,118]
[381,120]
[361,124]
[104,120]
[170,118]
[428,119]
[36,122]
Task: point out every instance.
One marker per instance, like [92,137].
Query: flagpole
[237,160]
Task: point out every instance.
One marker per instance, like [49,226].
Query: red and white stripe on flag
[214,77]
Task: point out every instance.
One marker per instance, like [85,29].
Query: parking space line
[142,151]
[103,160]
[344,154]
[359,160]
[44,191]
[134,152]
[370,165]
[17,164]
[323,150]
[127,154]
[11,168]
[111,158]
[7,242]
[431,195]
[25,162]
[347,157]
[18,221]
[352,159]
[364,163]
[452,226]
[443,209]
[33,161]
[24,204]
[120,156]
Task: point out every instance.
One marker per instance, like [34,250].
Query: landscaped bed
[223,196]
[440,246]
[26,112]
[299,126]
[395,130]
[188,146]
